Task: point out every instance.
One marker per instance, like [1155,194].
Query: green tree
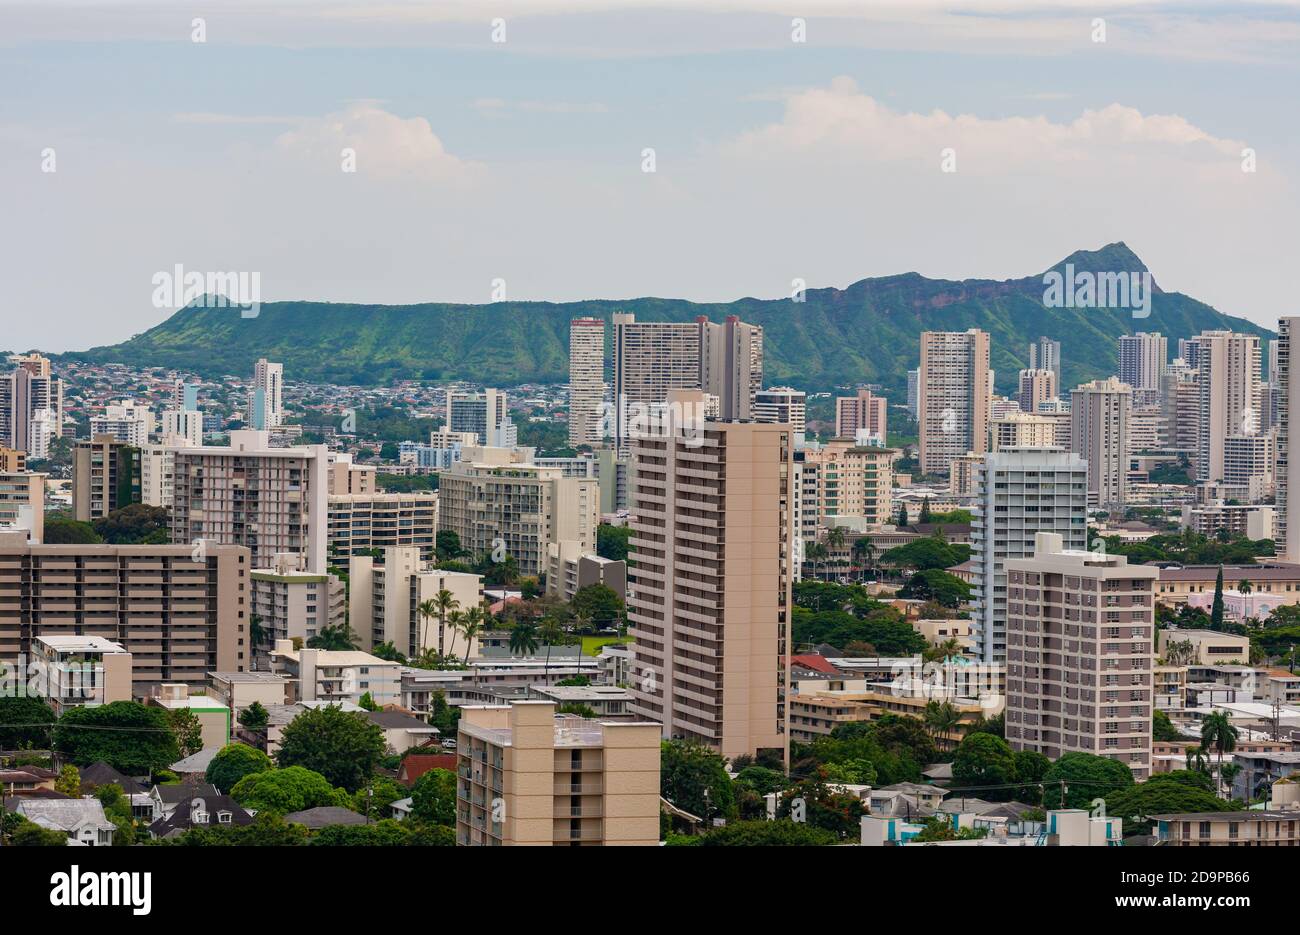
[235,761]
[1135,802]
[130,737]
[695,779]
[611,541]
[255,716]
[69,782]
[69,532]
[337,638]
[780,833]
[933,584]
[24,722]
[433,798]
[286,790]
[189,731]
[523,638]
[343,746]
[985,760]
[1163,730]
[1085,776]
[135,524]
[1216,609]
[599,603]
[1219,734]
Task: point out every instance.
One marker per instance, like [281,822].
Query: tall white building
[1019,493]
[1142,361]
[183,423]
[486,414]
[266,396]
[1099,432]
[1045,354]
[1229,396]
[953,396]
[127,421]
[586,380]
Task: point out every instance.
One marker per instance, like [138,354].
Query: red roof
[815,662]
[417,764]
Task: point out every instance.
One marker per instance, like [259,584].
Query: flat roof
[80,644]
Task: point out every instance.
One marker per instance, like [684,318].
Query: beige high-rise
[952,396]
[179,614]
[1081,654]
[1099,433]
[862,411]
[528,777]
[709,578]
[586,380]
[1229,396]
[1287,476]
[1023,430]
[1036,386]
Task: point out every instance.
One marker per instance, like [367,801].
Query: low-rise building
[336,675]
[81,671]
[569,569]
[1207,647]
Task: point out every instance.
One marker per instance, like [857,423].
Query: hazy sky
[523,160]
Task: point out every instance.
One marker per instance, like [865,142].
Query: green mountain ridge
[867,332]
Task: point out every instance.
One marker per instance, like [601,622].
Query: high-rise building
[266,396]
[914,394]
[1287,478]
[731,364]
[501,504]
[782,404]
[1081,654]
[1100,413]
[1189,351]
[849,481]
[1142,361]
[128,421]
[710,577]
[864,411]
[386,594]
[105,477]
[360,522]
[484,414]
[13,460]
[158,470]
[185,396]
[1036,386]
[22,503]
[526,776]
[179,614]
[294,603]
[586,380]
[1180,406]
[1019,493]
[183,423]
[25,393]
[1024,430]
[1045,354]
[247,493]
[954,390]
[1229,396]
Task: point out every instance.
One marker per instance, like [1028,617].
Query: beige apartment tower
[586,380]
[181,614]
[709,579]
[1229,396]
[1100,414]
[1081,654]
[1287,452]
[863,411]
[525,776]
[1036,386]
[953,395]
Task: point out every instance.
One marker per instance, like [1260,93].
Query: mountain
[866,333]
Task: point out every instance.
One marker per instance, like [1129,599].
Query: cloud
[386,146]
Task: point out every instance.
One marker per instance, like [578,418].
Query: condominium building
[526,776]
[850,482]
[731,364]
[709,579]
[1147,429]
[13,460]
[291,602]
[105,477]
[359,522]
[1099,433]
[1019,493]
[586,380]
[1180,405]
[863,411]
[1045,354]
[43,431]
[1248,463]
[1036,387]
[569,569]
[1024,430]
[266,397]
[484,414]
[158,470]
[345,476]
[336,676]
[183,423]
[22,503]
[127,421]
[963,474]
[1081,654]
[80,671]
[385,598]
[248,493]
[1142,361]
[953,396]
[1278,827]
[29,389]
[1229,382]
[498,503]
[783,404]
[1287,478]
[179,612]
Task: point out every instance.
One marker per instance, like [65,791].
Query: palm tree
[471,625]
[454,620]
[1196,759]
[427,609]
[1244,586]
[937,652]
[941,719]
[444,602]
[834,539]
[551,633]
[1218,732]
[1228,772]
[523,638]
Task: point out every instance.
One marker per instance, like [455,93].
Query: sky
[501,149]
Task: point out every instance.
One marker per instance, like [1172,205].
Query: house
[82,820]
[166,799]
[417,764]
[99,774]
[401,809]
[401,730]
[201,811]
[195,764]
[27,779]
[313,819]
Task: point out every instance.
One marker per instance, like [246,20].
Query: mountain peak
[1112,258]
